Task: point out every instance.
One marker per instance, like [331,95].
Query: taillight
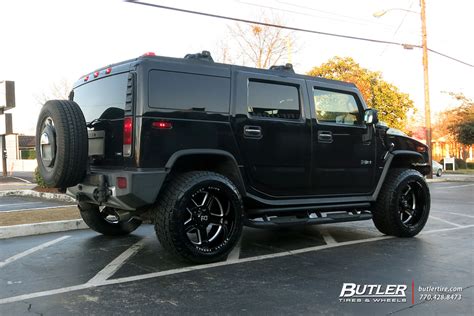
[127,136]
[149,54]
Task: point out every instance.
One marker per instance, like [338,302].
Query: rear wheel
[199,216]
[105,221]
[403,206]
[439,173]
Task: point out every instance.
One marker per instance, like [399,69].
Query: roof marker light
[86,78]
[148,54]
[108,71]
[96,74]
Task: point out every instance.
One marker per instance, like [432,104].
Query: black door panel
[343,160]
[273,134]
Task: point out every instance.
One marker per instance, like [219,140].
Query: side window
[336,107]
[273,100]
[188,92]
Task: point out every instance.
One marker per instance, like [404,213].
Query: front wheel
[403,205]
[439,173]
[199,216]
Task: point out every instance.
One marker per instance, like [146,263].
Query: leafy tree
[392,104]
[458,122]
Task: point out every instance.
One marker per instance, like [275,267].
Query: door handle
[253,131]
[325,137]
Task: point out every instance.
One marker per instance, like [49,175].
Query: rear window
[104,98]
[184,91]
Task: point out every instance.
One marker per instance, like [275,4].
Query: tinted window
[336,107]
[273,100]
[103,98]
[181,91]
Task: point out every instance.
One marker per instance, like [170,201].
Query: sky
[48,41]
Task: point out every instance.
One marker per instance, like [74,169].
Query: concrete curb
[43,195]
[41,228]
[436,180]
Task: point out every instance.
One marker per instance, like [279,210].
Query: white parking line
[32,250]
[235,253]
[445,221]
[21,179]
[37,208]
[201,267]
[115,265]
[328,239]
[15,204]
[458,214]
[457,186]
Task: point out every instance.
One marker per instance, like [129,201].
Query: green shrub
[470,165]
[39,179]
[28,154]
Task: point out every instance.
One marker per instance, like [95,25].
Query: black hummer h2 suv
[204,148]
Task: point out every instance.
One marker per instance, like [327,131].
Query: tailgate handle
[252,131]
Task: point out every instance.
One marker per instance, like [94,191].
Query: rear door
[344,149]
[273,134]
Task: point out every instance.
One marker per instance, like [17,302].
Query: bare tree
[58,90]
[258,45]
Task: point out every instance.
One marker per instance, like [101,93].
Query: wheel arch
[401,159]
[410,160]
[216,160]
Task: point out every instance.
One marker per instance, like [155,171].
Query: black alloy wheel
[199,216]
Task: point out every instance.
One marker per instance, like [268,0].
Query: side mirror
[371,117]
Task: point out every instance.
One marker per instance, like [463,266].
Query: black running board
[313,218]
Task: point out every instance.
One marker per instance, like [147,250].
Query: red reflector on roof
[96,74]
[108,71]
[162,125]
[86,78]
[149,54]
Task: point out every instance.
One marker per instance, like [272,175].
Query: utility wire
[291,28]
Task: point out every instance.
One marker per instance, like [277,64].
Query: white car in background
[437,168]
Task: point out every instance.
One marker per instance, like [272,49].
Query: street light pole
[426,83]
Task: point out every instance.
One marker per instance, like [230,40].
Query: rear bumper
[99,187]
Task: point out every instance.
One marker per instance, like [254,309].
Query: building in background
[21,153]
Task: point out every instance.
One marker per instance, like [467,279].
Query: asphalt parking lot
[286,271]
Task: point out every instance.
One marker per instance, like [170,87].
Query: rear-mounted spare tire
[61,144]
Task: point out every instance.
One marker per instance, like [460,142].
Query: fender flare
[386,168]
[205,151]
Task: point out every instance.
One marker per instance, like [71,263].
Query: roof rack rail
[204,55]
[287,67]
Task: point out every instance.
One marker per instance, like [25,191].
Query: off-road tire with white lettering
[178,216]
[392,210]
